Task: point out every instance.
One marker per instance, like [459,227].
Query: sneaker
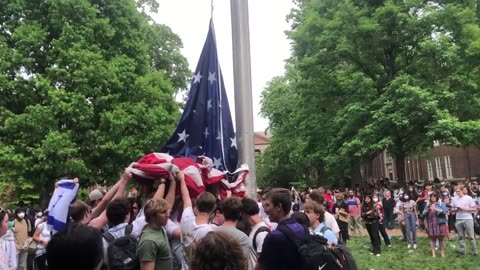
[389,246]
[414,246]
[460,253]
[378,255]
[409,246]
[474,254]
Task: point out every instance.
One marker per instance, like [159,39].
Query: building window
[436,143]
[438,167]
[448,167]
[429,169]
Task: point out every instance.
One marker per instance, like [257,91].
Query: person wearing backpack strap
[328,219]
[22,228]
[153,247]
[316,214]
[260,229]
[278,252]
[119,246]
[355,223]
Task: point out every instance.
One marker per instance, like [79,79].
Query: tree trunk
[321,181]
[355,173]
[44,197]
[400,168]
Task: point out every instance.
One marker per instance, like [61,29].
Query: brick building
[441,161]
[261,140]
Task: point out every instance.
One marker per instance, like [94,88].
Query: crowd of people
[164,228]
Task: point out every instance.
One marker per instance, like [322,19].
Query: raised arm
[187,202]
[121,185]
[106,199]
[170,198]
[160,190]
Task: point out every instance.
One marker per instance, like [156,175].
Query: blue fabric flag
[206,128]
[65,192]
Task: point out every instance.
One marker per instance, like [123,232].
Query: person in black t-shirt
[340,211]
[388,206]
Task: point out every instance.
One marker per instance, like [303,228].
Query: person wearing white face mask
[409,210]
[22,228]
[38,217]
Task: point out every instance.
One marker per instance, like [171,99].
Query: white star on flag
[209,104]
[211,77]
[182,136]
[197,78]
[217,162]
[206,132]
[234,142]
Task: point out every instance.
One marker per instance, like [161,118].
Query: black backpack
[122,251]
[345,257]
[315,253]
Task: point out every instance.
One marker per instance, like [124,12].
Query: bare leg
[442,246]
[432,246]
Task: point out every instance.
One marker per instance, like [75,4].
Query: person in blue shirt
[316,214]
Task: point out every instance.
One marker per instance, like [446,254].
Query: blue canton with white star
[206,127]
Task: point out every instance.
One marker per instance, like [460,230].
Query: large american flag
[206,128]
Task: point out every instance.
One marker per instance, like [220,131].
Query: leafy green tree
[86,87]
[374,75]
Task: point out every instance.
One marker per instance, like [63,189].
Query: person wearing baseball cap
[96,197]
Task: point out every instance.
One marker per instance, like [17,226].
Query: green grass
[397,257]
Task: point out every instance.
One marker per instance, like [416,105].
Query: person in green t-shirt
[153,248]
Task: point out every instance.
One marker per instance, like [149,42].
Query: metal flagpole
[243,90]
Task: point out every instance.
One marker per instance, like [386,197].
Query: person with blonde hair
[218,251]
[316,216]
[153,247]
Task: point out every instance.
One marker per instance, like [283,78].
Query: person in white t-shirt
[195,227]
[260,228]
[42,236]
[118,214]
[464,206]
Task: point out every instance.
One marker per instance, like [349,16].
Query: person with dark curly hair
[218,251]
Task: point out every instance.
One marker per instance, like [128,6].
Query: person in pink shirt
[354,210]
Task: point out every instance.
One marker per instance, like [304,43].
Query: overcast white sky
[269,46]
